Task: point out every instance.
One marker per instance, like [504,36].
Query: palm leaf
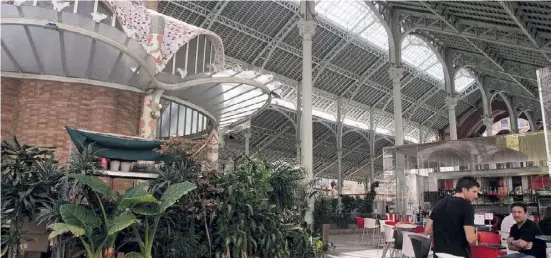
[79,215]
[61,228]
[173,193]
[96,184]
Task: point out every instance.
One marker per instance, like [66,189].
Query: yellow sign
[512,142]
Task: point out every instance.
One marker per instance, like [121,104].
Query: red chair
[391,223]
[359,224]
[478,251]
[488,238]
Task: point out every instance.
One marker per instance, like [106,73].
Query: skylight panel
[417,53]
[463,79]
[356,17]
[347,14]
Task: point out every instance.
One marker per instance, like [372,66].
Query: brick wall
[36,111]
[9,99]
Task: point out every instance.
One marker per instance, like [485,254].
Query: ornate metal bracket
[156,106]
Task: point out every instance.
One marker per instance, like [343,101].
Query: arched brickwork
[474,118]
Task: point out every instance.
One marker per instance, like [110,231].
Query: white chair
[389,239]
[381,239]
[407,247]
[370,223]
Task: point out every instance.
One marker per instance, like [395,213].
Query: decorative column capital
[451,102]
[307,28]
[396,73]
[487,120]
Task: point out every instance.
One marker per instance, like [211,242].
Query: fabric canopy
[117,148]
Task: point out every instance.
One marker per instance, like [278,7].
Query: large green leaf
[134,196]
[120,222]
[61,228]
[131,202]
[133,255]
[147,209]
[79,216]
[96,184]
[174,193]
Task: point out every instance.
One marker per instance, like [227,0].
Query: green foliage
[29,177]
[256,210]
[366,205]
[98,232]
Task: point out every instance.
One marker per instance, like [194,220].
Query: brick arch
[474,118]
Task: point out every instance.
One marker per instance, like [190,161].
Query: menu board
[479,219]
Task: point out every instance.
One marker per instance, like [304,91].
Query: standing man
[452,221]
[523,235]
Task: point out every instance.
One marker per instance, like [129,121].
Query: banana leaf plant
[98,232]
[153,211]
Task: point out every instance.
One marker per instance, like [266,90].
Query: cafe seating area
[393,237]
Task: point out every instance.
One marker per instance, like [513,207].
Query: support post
[451,102]
[247,135]
[339,153]
[298,130]
[544,85]
[514,119]
[488,121]
[421,138]
[396,73]
[372,144]
[307,28]
[151,111]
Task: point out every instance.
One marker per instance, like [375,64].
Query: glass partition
[509,168]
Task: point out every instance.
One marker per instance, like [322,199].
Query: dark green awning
[117,148]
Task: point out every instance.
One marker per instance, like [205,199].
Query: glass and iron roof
[351,43]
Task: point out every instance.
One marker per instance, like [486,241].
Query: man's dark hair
[467,182]
[519,204]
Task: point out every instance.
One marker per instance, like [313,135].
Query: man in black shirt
[451,222]
[522,237]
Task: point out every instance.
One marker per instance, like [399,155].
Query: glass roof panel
[416,52]
[356,17]
[241,100]
[463,79]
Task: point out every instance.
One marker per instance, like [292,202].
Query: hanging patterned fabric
[160,35]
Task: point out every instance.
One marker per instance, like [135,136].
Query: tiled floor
[349,246]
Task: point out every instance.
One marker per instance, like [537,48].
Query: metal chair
[370,223]
[421,245]
[389,239]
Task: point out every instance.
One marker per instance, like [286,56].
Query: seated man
[522,237]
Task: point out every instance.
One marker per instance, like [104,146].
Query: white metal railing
[99,12]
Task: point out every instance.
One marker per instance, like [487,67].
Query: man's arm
[428,227]
[516,245]
[468,224]
[510,244]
